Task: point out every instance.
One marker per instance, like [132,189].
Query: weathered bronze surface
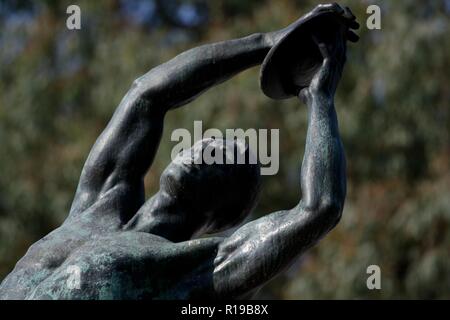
[123,247]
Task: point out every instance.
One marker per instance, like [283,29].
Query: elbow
[148,90]
[146,86]
[152,84]
[330,210]
[327,210]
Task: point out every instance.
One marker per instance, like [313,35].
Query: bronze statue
[127,248]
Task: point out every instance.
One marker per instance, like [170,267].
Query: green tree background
[58,89]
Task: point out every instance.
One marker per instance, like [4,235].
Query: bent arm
[260,249]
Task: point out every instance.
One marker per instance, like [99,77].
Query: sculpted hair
[223,194]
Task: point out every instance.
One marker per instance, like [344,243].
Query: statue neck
[162,216]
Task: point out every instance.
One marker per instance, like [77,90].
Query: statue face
[218,195]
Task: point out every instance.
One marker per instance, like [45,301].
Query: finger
[324,75]
[350,24]
[353,24]
[337,8]
[352,37]
[350,19]
[348,14]
[333,7]
[304,95]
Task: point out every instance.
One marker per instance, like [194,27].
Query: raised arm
[260,249]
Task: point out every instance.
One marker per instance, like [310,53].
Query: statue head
[212,196]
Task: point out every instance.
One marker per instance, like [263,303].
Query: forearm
[183,78]
[323,178]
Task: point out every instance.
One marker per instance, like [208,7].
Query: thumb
[323,77]
[304,95]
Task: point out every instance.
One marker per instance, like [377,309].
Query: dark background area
[59,87]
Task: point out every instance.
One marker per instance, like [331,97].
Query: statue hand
[332,45]
[325,81]
[344,14]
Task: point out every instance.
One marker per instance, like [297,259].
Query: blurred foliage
[58,89]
